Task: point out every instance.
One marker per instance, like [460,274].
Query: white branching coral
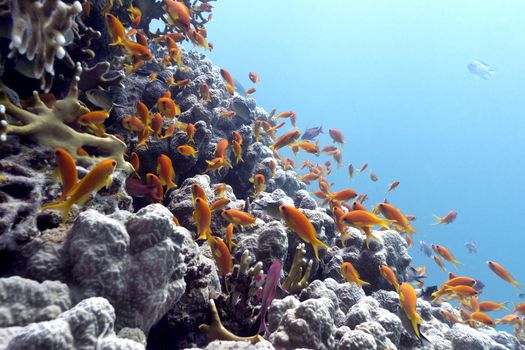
[39,31]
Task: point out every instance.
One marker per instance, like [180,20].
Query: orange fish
[343,195]
[259,184]
[204,91]
[94,180]
[482,318]
[187,151]
[153,180]
[135,162]
[227,114]
[509,319]
[182,83]
[202,218]
[219,204]
[141,39]
[167,106]
[132,123]
[337,215]
[254,77]
[135,15]
[503,274]
[229,236]
[439,262]
[520,308]
[408,302]
[197,38]
[165,171]
[299,223]
[230,86]
[357,206]
[362,218]
[363,167]
[401,223]
[447,219]
[178,14]
[138,51]
[337,136]
[308,178]
[94,121]
[221,254]
[446,254]
[487,306]
[450,316]
[82,152]
[392,186]
[286,139]
[220,149]
[238,217]
[190,132]
[237,137]
[116,29]
[169,131]
[153,76]
[175,220]
[219,189]
[67,171]
[389,275]
[217,164]
[156,124]
[351,275]
[250,91]
[198,192]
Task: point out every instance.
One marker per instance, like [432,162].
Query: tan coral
[48,126]
[300,272]
[39,32]
[216,331]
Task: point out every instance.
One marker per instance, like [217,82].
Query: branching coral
[48,126]
[300,271]
[216,331]
[39,32]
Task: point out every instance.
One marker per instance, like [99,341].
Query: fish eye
[113,163]
[57,153]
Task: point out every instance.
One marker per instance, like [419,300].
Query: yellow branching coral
[300,272]
[39,32]
[216,331]
[48,126]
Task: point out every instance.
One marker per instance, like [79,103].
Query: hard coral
[39,33]
[48,126]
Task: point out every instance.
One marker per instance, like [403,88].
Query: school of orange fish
[346,206]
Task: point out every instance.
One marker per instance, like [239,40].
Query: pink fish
[137,188]
[268,292]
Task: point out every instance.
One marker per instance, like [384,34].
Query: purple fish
[267,294]
[471,246]
[425,248]
[312,133]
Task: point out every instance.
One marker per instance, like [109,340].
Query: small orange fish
[202,218]
[197,38]
[182,83]
[308,178]
[217,164]
[169,131]
[447,219]
[259,184]
[141,39]
[439,262]
[254,77]
[238,217]
[198,192]
[401,223]
[357,206]
[205,93]
[219,204]
[509,319]
[67,171]
[116,29]
[94,121]
[82,152]
[487,306]
[135,162]
[175,220]
[289,114]
[229,236]
[389,275]
[138,51]
[450,316]
[237,137]
[156,124]
[221,254]
[153,180]
[408,302]
[343,195]
[503,274]
[250,91]
[227,114]
[94,180]
[351,275]
[237,151]
[363,167]
[483,318]
[132,123]
[165,171]
[219,189]
[153,76]
[178,14]
[446,254]
[187,151]
[135,15]
[301,225]
[230,86]
[220,149]
[286,139]
[392,186]
[167,106]
[520,308]
[337,136]
[190,132]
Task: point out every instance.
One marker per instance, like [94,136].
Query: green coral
[49,126]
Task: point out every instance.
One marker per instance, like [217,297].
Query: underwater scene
[232,174]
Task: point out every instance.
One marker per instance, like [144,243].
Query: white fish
[481,69]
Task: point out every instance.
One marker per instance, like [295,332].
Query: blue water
[393,77]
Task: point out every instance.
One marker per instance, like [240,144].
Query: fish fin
[439,219]
[517,284]
[362,283]
[317,243]
[64,207]
[108,182]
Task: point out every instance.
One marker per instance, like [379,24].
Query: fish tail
[416,321]
[517,284]
[384,223]
[63,207]
[361,283]
[316,243]
[411,229]
[438,218]
[262,327]
[505,305]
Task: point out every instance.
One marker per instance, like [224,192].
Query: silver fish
[425,248]
[481,69]
[312,133]
[100,98]
[471,246]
